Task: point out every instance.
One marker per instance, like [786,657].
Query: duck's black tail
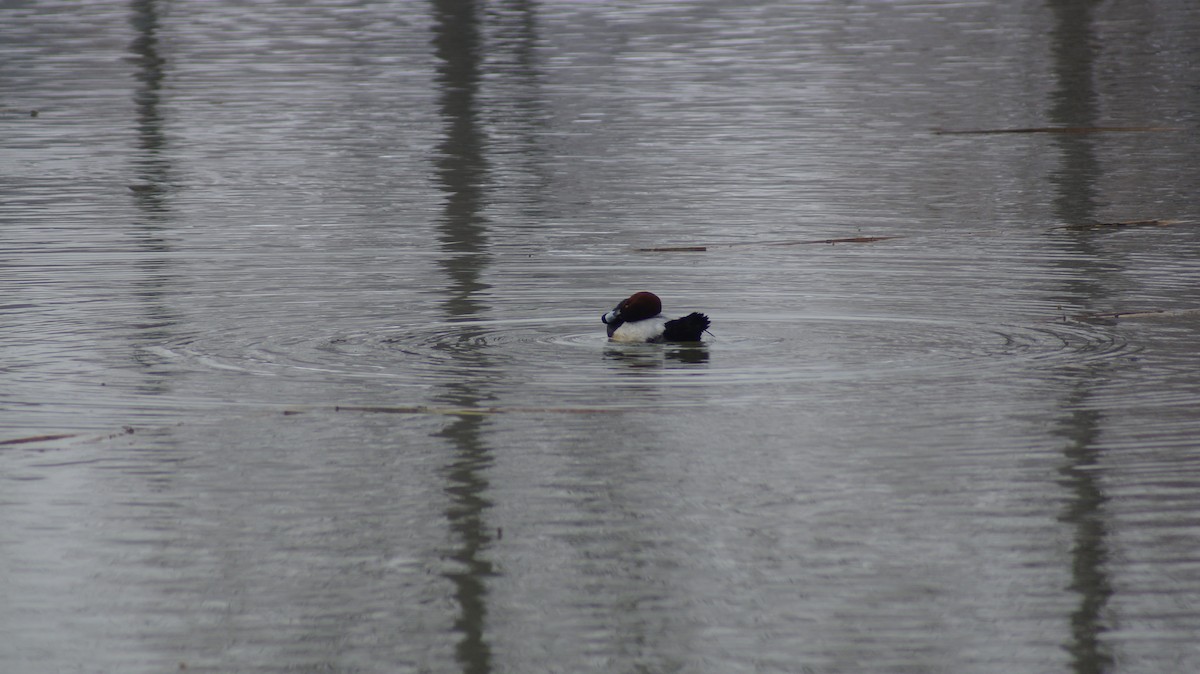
[686,329]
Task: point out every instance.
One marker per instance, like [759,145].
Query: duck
[638,318]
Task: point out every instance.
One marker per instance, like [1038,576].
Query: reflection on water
[462,171]
[152,171]
[1074,104]
[1089,550]
[303,371]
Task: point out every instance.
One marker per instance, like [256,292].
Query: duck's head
[636,307]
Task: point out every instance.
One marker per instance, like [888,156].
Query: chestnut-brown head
[636,307]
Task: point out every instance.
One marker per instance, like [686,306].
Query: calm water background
[303,368]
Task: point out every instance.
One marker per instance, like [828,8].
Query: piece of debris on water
[470,411]
[1088,226]
[1136,314]
[762,244]
[38,438]
[38,442]
[1058,129]
[851,239]
[673,249]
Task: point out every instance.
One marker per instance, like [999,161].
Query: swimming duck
[638,318]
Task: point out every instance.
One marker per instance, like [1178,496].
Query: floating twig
[38,438]
[751,244]
[1083,227]
[80,438]
[1059,129]
[465,411]
[852,239]
[1141,313]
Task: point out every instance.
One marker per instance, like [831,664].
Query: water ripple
[567,357]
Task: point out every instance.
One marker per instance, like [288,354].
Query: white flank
[640,331]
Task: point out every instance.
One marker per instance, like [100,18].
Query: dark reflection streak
[466,516]
[461,167]
[152,166]
[1074,103]
[1089,556]
[152,171]
[462,172]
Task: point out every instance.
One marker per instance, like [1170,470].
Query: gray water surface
[303,368]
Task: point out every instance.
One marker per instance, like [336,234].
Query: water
[303,367]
